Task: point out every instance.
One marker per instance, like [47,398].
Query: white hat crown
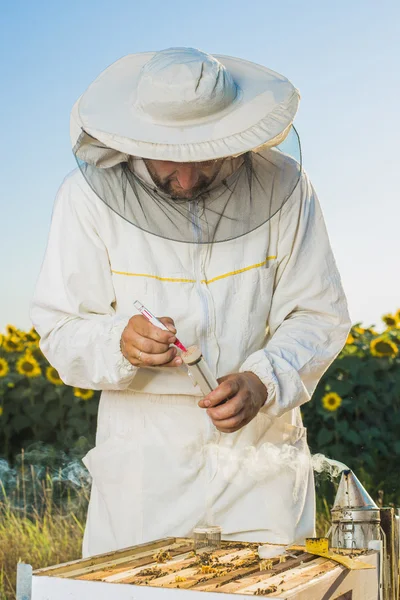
[184,105]
[180,84]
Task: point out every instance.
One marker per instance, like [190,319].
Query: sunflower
[389,320]
[32,336]
[28,366]
[14,332]
[4,368]
[34,351]
[84,394]
[53,376]
[1,410]
[350,339]
[331,401]
[11,330]
[383,347]
[358,330]
[31,343]
[397,316]
[12,344]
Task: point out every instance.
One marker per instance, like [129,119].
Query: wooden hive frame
[170,564]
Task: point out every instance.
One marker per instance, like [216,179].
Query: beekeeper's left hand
[242,394]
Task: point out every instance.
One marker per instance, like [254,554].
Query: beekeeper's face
[183,180]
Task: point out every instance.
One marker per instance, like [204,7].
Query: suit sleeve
[309,320]
[73,308]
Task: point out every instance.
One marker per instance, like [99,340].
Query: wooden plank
[100,559]
[244,577]
[339,584]
[168,580]
[232,561]
[128,562]
[146,560]
[306,571]
[56,588]
[237,586]
[133,575]
[189,578]
[391,573]
[147,555]
[218,582]
[295,580]
[142,558]
[347,561]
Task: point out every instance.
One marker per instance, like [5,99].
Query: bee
[162,556]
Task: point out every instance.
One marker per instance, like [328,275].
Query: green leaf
[381,447]
[324,436]
[49,394]
[343,388]
[20,422]
[53,416]
[367,458]
[353,437]
[374,432]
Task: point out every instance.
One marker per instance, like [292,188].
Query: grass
[39,525]
[323,518]
[52,539]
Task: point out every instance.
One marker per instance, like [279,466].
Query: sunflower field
[35,405]
[354,415]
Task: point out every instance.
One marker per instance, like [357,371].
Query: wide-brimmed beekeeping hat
[183,105]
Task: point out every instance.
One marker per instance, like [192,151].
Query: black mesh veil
[246,192]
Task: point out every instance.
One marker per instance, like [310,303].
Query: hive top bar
[235,568]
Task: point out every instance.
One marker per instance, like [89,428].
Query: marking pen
[154,321]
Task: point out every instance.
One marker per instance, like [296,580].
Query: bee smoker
[199,371]
[355,516]
[357,522]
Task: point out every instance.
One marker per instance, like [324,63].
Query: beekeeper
[190,197]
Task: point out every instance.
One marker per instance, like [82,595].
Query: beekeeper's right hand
[146,345]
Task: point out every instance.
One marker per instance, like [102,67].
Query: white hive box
[168,569]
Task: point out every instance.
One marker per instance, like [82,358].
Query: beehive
[169,568]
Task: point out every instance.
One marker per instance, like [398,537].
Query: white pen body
[149,316]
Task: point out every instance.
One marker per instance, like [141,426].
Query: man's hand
[146,345]
[242,395]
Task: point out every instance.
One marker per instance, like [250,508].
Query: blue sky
[343,57]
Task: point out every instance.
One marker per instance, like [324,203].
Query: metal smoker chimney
[355,516]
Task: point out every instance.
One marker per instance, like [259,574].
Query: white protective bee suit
[270,302]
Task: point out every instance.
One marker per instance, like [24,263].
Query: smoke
[7,477]
[258,463]
[268,460]
[322,464]
[237,465]
[42,477]
[75,474]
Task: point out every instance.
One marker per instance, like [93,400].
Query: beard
[170,186]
